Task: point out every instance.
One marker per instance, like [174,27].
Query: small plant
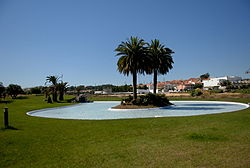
[196,92]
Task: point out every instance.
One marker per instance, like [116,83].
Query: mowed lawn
[216,140]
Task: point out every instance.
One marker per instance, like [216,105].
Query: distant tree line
[122,88]
[96,88]
[13,90]
[37,90]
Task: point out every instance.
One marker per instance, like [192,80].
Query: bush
[149,99]
[196,92]
[246,91]
[13,90]
[36,90]
[244,86]
[2,90]
[198,86]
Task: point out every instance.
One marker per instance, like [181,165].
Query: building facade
[215,83]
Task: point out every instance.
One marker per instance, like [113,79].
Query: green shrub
[198,86]
[129,99]
[36,90]
[158,100]
[2,90]
[216,91]
[196,92]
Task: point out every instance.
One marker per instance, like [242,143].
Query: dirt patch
[177,94]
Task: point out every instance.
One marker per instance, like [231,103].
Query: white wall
[234,78]
[215,82]
[151,88]
[142,91]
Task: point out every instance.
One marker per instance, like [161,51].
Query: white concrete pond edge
[157,108]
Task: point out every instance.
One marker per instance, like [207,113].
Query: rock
[80,99]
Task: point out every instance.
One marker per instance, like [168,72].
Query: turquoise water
[102,111]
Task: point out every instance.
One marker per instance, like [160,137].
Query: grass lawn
[215,140]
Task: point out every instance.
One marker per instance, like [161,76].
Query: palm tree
[162,60]
[47,91]
[62,87]
[132,59]
[54,81]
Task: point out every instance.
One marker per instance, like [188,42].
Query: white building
[214,83]
[98,92]
[151,88]
[107,91]
[104,91]
[142,91]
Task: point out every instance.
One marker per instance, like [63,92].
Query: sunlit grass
[215,140]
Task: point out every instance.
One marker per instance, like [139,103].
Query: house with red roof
[174,85]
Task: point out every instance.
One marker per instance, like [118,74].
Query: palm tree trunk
[61,95]
[155,81]
[49,99]
[134,85]
[54,95]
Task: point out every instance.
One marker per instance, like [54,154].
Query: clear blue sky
[39,38]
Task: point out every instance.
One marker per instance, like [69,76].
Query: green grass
[216,140]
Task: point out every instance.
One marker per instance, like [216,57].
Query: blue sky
[39,38]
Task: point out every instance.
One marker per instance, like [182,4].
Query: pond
[102,110]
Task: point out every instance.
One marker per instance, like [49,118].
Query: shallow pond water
[103,111]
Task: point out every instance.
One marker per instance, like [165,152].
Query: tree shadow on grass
[8,128]
[22,97]
[206,137]
[6,101]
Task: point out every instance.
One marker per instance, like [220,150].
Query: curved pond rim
[150,109]
[157,108]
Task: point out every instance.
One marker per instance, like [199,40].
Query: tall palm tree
[54,81]
[62,87]
[132,59]
[162,60]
